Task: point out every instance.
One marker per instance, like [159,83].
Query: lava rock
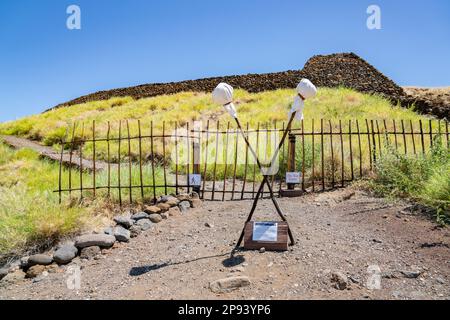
[140,215]
[3,272]
[100,240]
[41,259]
[340,280]
[135,230]
[163,206]
[151,209]
[196,203]
[90,252]
[164,215]
[155,218]
[35,271]
[109,230]
[65,254]
[122,234]
[124,221]
[174,211]
[13,277]
[229,284]
[184,206]
[183,197]
[144,224]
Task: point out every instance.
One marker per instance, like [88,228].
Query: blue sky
[124,43]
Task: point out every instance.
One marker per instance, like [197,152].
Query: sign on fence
[293,177]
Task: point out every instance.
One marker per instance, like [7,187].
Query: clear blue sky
[124,43]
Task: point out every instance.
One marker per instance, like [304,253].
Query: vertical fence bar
[226,162]
[176,157]
[70,158]
[215,160]
[351,148]
[430,124]
[412,136]
[322,154]
[254,164]
[374,144]
[81,160]
[164,156]
[405,147]
[386,135]
[284,159]
[130,181]
[303,156]
[379,138]
[439,131]
[360,149]
[152,154]
[188,157]
[108,151]
[291,159]
[313,156]
[118,162]
[246,164]
[395,135]
[235,163]
[60,170]
[206,159]
[93,159]
[342,153]
[370,145]
[446,134]
[421,136]
[196,162]
[332,154]
[275,146]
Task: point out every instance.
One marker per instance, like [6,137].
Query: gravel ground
[339,231]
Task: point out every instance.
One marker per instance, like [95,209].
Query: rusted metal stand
[266,181]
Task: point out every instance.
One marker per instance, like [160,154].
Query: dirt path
[180,256]
[50,153]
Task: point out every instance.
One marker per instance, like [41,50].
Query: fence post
[291,159]
[196,163]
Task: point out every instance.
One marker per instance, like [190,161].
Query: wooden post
[291,159]
[431,132]
[196,162]
[188,156]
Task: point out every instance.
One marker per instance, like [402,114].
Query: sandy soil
[179,257]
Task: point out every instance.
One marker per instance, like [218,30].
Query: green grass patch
[422,178]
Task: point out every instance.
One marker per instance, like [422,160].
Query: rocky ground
[339,235]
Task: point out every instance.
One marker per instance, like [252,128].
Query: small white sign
[293,177]
[265,231]
[195,179]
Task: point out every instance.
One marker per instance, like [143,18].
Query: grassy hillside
[270,106]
